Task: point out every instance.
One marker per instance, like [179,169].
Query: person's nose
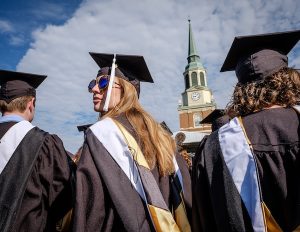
[96,89]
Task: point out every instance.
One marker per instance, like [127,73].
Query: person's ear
[31,104]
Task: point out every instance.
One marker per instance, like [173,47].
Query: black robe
[47,196]
[217,205]
[105,198]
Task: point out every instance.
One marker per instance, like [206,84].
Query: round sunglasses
[102,83]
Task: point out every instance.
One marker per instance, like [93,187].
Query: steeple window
[202,81]
[187,83]
[194,79]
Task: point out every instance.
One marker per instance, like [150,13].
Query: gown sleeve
[202,210]
[89,210]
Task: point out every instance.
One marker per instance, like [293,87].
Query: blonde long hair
[157,145]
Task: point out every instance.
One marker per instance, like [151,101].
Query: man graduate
[246,174]
[35,176]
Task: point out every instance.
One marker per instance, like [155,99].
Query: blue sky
[19,18]
[54,38]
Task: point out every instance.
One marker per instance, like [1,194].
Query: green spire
[193,57]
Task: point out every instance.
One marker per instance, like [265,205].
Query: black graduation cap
[255,57]
[165,126]
[132,68]
[83,127]
[215,114]
[18,84]
[217,118]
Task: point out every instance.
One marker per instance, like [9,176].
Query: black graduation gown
[48,194]
[217,205]
[105,198]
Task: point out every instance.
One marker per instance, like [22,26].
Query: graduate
[81,128]
[129,177]
[246,176]
[217,118]
[35,177]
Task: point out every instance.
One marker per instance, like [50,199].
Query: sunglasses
[102,83]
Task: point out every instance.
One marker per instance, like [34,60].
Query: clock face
[195,96]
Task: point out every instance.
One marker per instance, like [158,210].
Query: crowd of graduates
[129,175]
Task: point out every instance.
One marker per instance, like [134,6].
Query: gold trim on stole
[162,220]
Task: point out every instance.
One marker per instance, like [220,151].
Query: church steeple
[197,99]
[193,57]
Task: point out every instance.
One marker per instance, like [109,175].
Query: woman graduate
[128,176]
[246,176]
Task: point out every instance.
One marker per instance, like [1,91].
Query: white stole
[242,167]
[108,133]
[11,140]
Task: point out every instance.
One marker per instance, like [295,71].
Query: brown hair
[282,88]
[17,104]
[157,145]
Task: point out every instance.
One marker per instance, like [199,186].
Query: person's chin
[97,107]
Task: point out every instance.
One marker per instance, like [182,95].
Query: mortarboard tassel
[110,85]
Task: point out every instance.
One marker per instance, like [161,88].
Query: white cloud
[156,29]
[6,26]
